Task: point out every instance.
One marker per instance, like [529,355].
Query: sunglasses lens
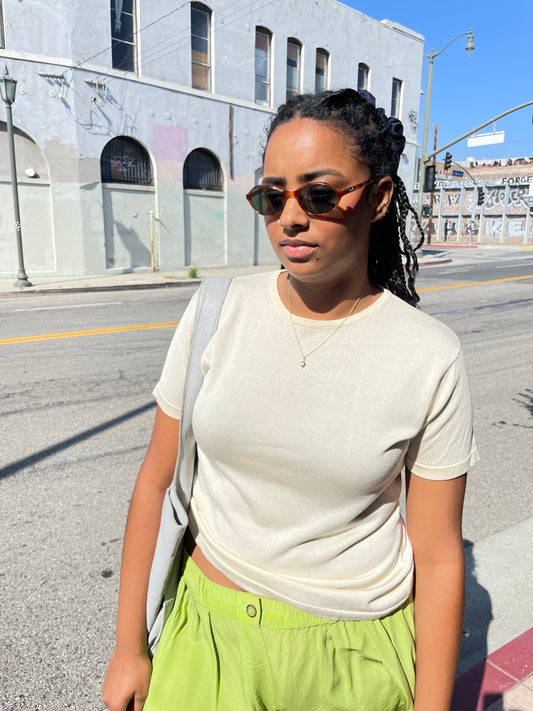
[317,199]
[266,200]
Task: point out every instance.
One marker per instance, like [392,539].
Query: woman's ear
[383,197]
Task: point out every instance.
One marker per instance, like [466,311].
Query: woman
[321,383]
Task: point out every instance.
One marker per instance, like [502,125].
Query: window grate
[202,171]
[126,161]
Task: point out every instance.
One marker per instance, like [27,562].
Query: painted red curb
[433,263]
[488,680]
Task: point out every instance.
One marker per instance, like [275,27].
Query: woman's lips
[297,249]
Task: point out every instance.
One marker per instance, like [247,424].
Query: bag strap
[211,297]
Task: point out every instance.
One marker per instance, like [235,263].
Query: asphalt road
[77,413]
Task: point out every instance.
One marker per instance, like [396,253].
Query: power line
[137,32]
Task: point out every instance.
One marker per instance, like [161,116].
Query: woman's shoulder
[417,326]
[254,286]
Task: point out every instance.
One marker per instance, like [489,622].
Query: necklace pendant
[302,363]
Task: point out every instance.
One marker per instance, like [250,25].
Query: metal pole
[152,261]
[476,129]
[22,279]
[423,157]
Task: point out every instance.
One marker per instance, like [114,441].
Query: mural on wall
[503,216]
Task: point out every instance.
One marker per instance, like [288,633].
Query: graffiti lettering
[517,197]
[470,227]
[453,199]
[495,198]
[516,227]
[493,227]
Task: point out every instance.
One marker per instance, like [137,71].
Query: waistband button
[251,610]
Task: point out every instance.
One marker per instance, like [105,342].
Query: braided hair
[377,143]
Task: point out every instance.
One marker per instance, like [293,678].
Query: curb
[445,245]
[180,282]
[109,287]
[434,262]
[507,672]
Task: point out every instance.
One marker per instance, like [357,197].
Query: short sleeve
[168,392]
[445,447]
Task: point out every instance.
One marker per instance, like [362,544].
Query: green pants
[233,651]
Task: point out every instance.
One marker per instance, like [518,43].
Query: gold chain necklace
[303,362]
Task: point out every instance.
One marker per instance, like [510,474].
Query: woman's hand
[126,681]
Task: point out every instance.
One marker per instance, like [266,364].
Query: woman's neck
[325,302]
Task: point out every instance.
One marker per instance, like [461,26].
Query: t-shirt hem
[165,405]
[443,473]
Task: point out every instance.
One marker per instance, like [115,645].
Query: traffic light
[448,161]
[429,178]
[481,196]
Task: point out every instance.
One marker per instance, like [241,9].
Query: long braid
[377,142]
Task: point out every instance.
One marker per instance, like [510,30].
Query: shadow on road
[16,466]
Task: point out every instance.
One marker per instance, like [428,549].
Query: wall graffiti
[516,227]
[505,214]
[470,228]
[452,201]
[493,227]
[518,199]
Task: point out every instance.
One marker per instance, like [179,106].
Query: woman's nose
[293,216]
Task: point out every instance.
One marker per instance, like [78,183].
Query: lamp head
[8,87]
[470,42]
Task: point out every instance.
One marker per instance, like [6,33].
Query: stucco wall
[71,118]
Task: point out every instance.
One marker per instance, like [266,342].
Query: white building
[139,123]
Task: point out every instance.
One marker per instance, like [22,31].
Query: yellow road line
[92,332]
[474,283]
[169,324]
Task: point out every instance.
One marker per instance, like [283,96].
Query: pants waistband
[244,607]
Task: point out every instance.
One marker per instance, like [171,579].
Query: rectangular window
[362,77]
[2,38]
[200,54]
[321,70]
[294,51]
[396,101]
[123,34]
[262,66]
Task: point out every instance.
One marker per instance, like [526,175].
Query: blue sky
[469,88]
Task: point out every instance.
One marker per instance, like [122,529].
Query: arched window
[202,171]
[363,72]
[294,54]
[200,46]
[263,39]
[321,70]
[126,161]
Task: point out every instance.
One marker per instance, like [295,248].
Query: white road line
[463,269]
[74,306]
[519,264]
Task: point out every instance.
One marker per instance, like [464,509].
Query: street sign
[457,173]
[485,139]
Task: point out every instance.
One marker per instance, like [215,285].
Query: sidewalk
[146,279]
[496,662]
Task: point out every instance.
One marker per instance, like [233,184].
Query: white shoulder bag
[165,571]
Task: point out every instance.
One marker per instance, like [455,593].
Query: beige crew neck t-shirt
[297,491]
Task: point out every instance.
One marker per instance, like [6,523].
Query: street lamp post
[8,87]
[423,158]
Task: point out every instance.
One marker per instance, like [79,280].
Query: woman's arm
[128,675]
[434,514]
